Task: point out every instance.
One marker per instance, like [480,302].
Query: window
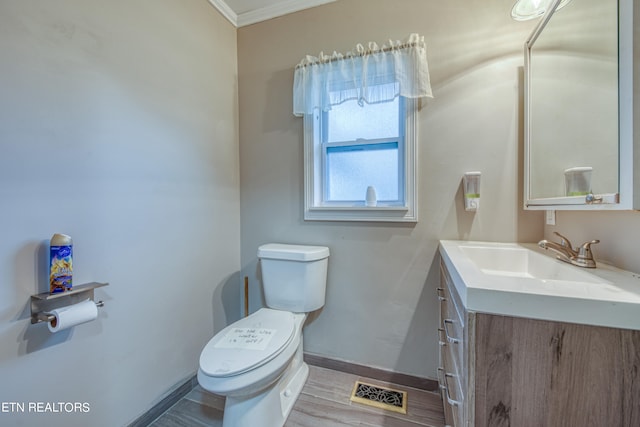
[360,131]
[351,167]
[354,146]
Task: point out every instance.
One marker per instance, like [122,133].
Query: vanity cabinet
[453,374]
[501,370]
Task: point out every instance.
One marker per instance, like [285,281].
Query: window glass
[352,168]
[349,121]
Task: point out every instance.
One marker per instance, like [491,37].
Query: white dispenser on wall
[471,187]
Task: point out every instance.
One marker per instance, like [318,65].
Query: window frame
[314,182]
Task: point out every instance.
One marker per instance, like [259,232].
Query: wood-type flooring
[324,402]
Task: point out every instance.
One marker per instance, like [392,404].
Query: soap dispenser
[471,187]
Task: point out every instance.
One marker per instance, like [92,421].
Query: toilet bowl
[257,362]
[261,380]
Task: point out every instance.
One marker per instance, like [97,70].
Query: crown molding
[226,11]
[278,9]
[264,13]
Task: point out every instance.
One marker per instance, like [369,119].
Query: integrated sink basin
[523,280]
[518,261]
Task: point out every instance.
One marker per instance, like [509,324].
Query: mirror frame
[628,196]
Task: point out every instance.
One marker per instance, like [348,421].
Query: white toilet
[256,362]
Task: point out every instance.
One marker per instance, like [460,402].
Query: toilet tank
[294,277]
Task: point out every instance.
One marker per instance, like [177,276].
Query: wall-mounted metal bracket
[42,304]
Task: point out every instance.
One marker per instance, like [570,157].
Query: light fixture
[524,10]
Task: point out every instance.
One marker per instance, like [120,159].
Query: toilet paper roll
[72,315]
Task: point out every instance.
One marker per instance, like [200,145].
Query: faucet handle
[585,255]
[564,241]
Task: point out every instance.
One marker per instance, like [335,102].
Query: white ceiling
[247,12]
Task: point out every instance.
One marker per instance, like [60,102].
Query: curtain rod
[351,54]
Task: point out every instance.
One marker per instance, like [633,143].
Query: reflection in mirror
[524,10]
[573,103]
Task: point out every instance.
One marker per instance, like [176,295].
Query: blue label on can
[60,268]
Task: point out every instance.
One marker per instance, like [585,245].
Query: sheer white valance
[373,74]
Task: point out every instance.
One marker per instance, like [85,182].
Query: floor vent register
[380,397]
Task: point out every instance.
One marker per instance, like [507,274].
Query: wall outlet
[551,217]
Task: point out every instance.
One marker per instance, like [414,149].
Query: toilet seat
[248,343]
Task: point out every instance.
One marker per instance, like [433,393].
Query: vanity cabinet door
[542,373]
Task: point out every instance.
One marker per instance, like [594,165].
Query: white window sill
[360,213]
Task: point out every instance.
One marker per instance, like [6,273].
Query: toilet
[256,362]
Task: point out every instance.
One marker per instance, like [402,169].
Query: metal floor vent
[380,397]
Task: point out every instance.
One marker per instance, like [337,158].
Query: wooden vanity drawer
[451,389]
[451,295]
[445,364]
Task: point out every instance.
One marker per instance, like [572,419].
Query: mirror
[577,125]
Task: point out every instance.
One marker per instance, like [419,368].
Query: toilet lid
[247,343]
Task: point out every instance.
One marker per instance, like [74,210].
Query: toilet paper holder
[42,304]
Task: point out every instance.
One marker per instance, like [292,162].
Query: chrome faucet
[581,257]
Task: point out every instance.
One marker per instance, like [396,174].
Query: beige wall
[118,126]
[618,232]
[381,308]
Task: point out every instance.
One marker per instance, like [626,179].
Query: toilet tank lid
[292,252]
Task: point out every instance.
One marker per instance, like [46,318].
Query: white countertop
[607,297]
